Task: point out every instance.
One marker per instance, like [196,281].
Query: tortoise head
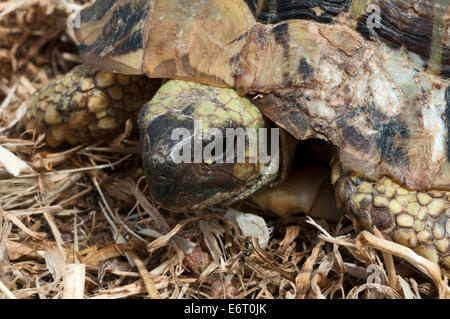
[202,145]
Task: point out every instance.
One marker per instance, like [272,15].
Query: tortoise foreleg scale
[85,104]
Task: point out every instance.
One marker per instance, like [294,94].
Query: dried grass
[77,223]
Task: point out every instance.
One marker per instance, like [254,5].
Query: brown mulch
[76,222]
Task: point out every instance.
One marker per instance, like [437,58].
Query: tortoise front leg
[85,104]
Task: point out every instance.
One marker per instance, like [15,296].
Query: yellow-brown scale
[85,104]
[418,220]
[215,107]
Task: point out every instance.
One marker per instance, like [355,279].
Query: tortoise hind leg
[418,220]
[84,104]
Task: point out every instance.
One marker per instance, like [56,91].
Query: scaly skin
[86,104]
[418,220]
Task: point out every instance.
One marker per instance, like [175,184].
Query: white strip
[434,124]
[12,163]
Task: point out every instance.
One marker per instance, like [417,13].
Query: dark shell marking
[410,23]
[118,34]
[274,11]
[97,11]
[121,32]
[421,32]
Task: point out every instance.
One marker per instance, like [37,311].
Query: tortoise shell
[371,77]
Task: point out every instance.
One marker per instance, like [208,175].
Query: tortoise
[372,84]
